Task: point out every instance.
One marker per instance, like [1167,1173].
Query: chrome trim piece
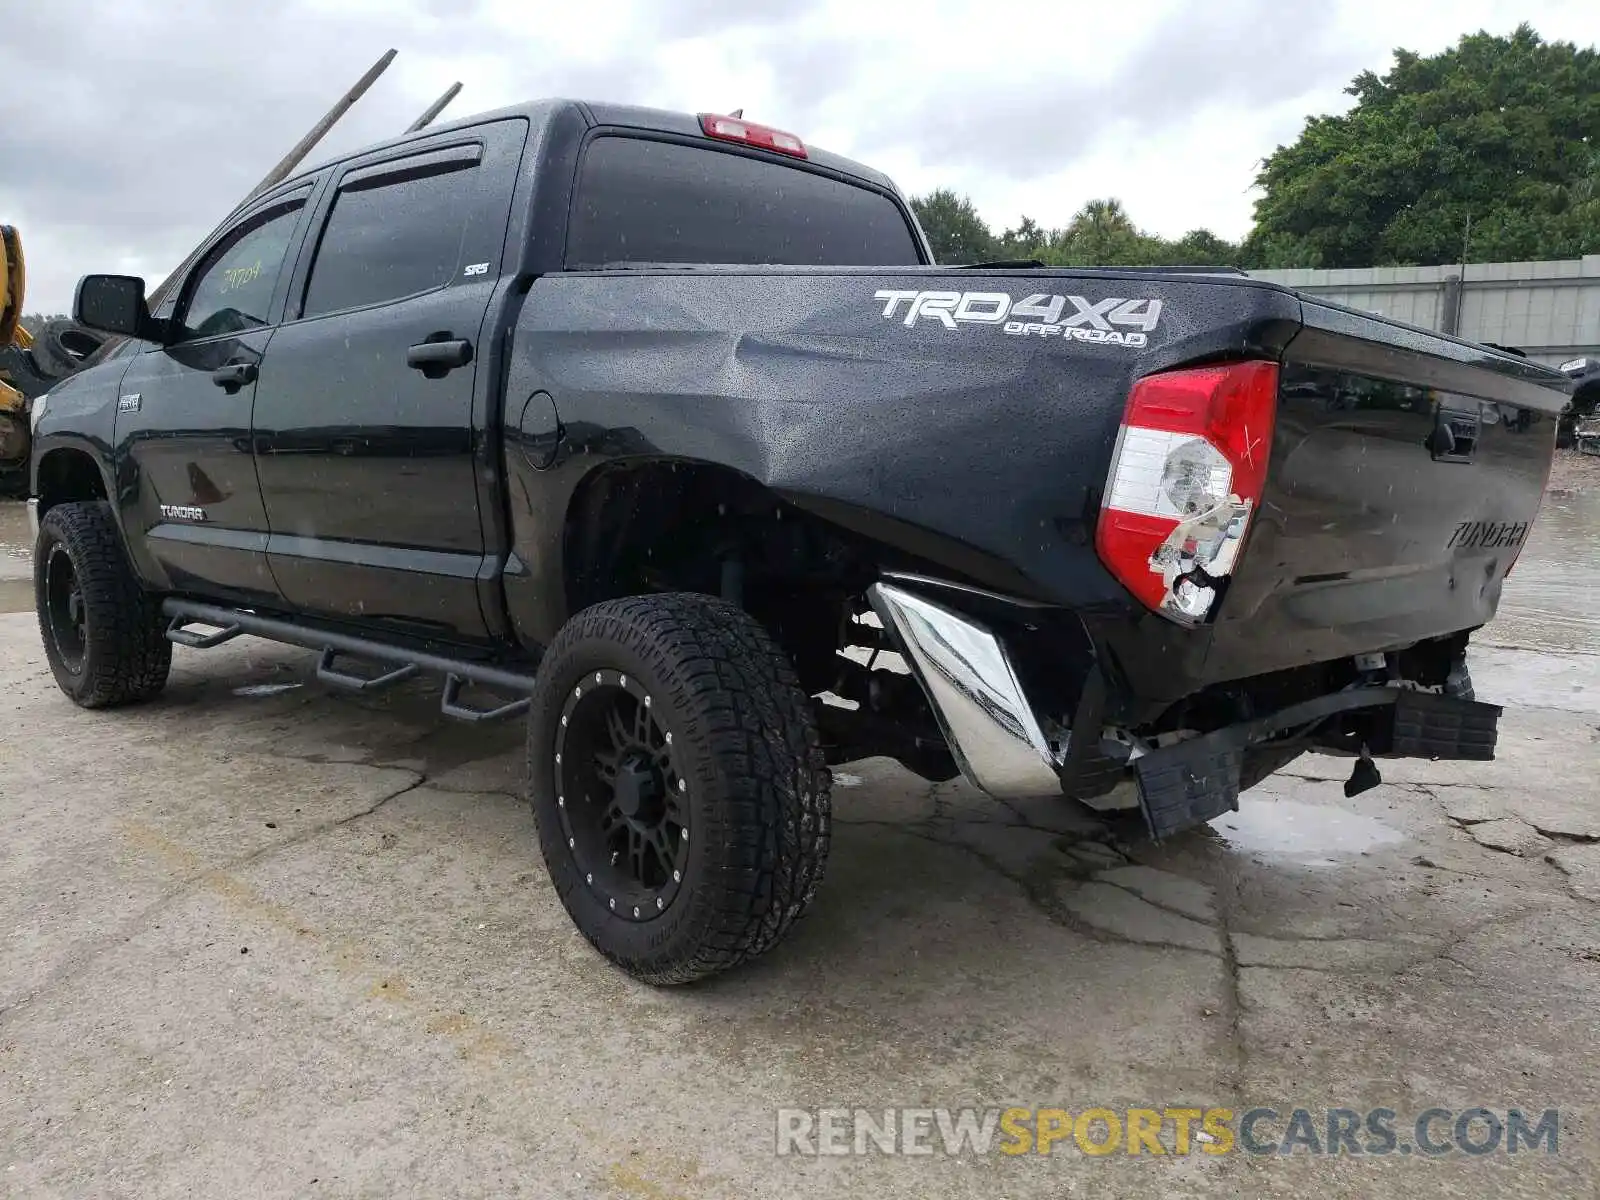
[965,589]
[975,693]
[33,516]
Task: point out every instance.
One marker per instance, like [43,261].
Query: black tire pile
[59,349]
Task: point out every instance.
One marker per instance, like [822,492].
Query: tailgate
[1406,470]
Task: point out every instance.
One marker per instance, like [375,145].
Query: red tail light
[748,133]
[1185,481]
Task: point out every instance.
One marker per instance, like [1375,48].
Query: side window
[232,291]
[393,234]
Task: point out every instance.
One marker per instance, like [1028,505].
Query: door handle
[439,355]
[233,376]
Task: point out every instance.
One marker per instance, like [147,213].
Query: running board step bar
[400,663]
[327,674]
[200,641]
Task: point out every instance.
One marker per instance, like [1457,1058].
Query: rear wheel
[102,632]
[678,784]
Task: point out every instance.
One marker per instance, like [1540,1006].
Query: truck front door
[370,400]
[186,482]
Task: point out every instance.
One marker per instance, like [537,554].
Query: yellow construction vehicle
[31,360]
[13,279]
[13,405]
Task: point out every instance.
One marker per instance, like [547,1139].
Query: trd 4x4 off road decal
[1115,320]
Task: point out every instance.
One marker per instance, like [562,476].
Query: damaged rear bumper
[999,741]
[1197,780]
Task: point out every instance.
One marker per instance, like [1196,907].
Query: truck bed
[984,449]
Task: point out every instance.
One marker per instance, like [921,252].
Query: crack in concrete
[75,965]
[1036,888]
[1238,1058]
[1099,877]
[311,832]
[1510,813]
[1577,839]
[1447,953]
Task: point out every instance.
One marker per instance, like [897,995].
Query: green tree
[1487,150]
[955,230]
[1101,234]
[1028,240]
[34,322]
[1202,248]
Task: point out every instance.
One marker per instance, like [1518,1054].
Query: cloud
[149,121]
[128,128]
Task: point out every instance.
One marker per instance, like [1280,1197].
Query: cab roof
[620,116]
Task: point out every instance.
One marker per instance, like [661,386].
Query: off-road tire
[126,655]
[757,788]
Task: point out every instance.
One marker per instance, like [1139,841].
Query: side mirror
[114,304]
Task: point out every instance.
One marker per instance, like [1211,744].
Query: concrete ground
[256,938]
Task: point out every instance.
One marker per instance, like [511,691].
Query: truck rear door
[367,412]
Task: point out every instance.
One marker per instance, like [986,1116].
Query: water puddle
[1549,601]
[1314,835]
[16,559]
[16,595]
[266,689]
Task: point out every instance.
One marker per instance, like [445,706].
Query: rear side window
[392,235]
[646,201]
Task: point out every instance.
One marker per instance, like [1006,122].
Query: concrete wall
[1550,309]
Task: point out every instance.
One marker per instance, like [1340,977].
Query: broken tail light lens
[1185,481]
[748,133]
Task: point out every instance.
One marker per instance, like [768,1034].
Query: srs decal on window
[1114,320]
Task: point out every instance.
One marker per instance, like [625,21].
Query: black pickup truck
[666,431]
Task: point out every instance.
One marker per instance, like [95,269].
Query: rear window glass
[661,202]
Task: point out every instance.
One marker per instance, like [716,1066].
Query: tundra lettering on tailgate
[1114,320]
[1487,535]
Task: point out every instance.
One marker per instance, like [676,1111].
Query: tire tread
[128,656]
[744,699]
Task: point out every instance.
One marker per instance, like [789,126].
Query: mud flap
[1180,786]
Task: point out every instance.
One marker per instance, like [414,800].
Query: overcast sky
[129,127]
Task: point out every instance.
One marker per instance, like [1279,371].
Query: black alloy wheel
[64,615]
[621,797]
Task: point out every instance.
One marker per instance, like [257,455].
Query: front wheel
[678,784]
[102,632]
